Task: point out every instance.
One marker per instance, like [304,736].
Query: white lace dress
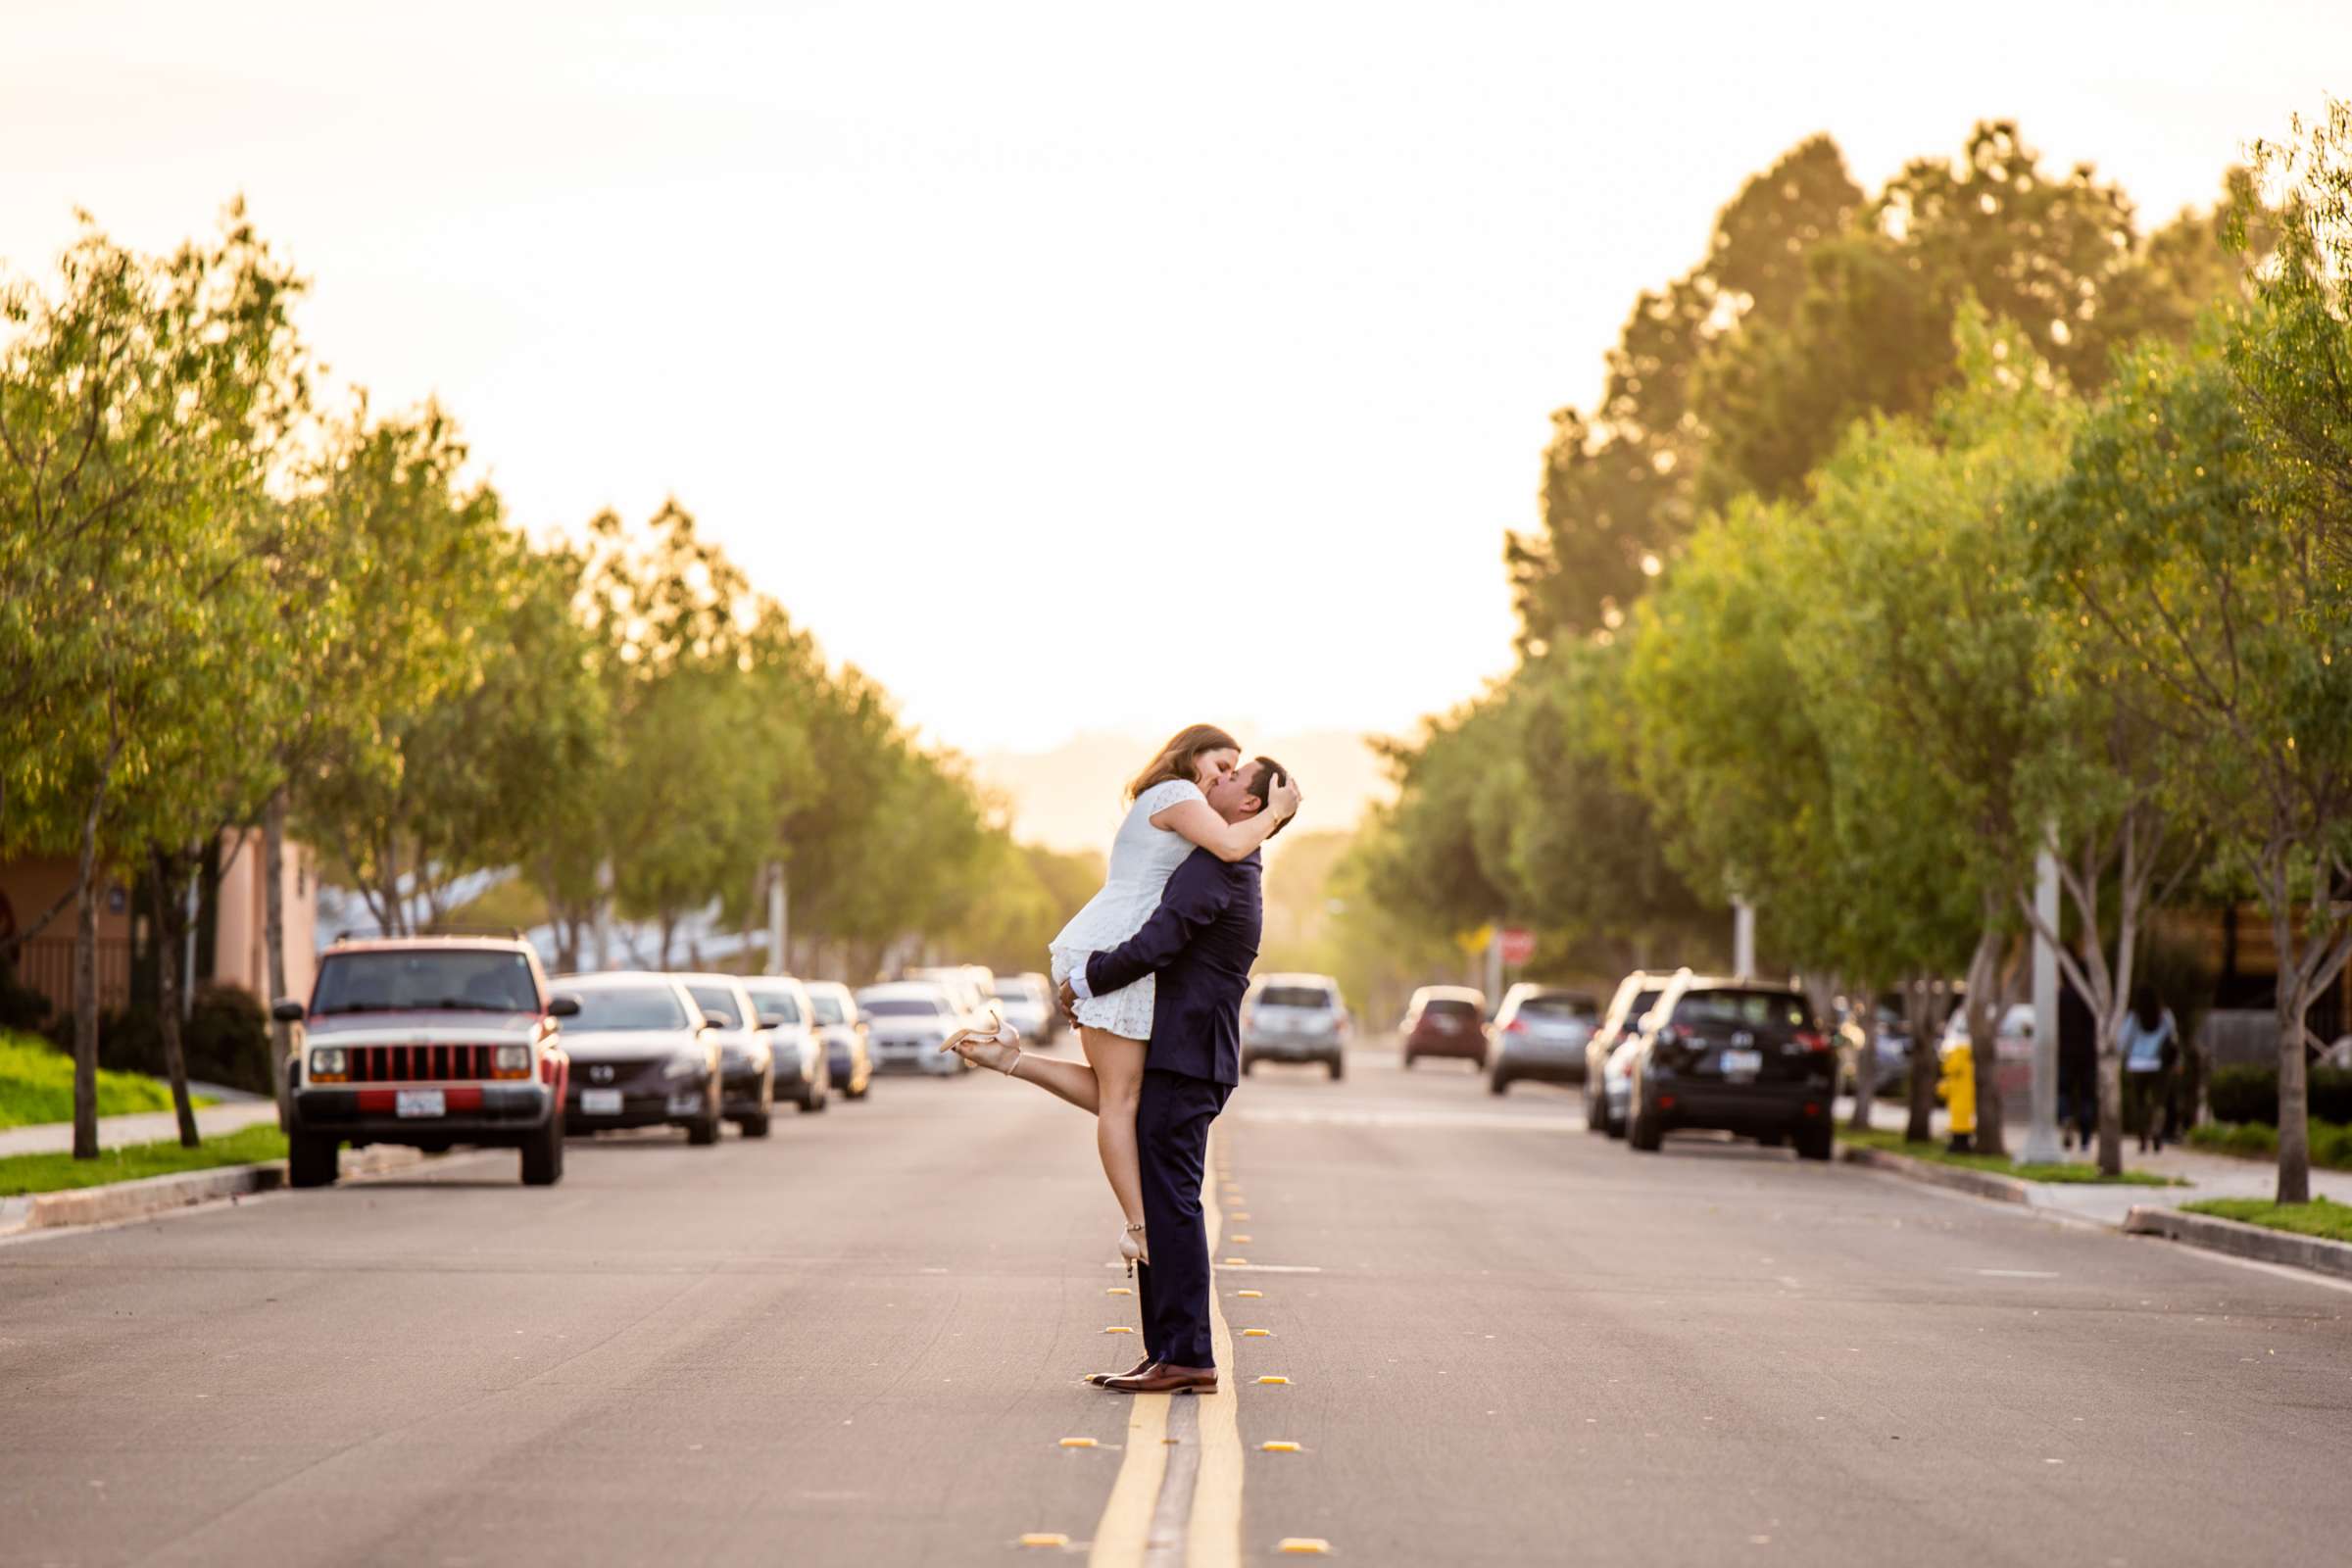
[1142,859]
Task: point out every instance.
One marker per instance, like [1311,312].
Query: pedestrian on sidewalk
[2151,1048]
[2078,1067]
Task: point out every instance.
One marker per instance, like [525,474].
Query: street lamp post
[2042,1126]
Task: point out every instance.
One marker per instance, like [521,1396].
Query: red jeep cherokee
[427,1042]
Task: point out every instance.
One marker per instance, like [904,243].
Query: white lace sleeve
[1159,797]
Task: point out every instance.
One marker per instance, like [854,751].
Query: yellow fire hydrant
[1957,1089]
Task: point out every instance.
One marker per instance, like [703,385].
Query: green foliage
[224,1041]
[57,1173]
[36,1084]
[2322,1217]
[2244,1093]
[2064,1173]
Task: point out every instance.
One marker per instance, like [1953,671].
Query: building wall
[45,962]
[240,956]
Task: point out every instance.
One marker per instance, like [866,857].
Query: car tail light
[1517,1026]
[1813,1039]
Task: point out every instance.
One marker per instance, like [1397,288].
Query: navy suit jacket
[1201,942]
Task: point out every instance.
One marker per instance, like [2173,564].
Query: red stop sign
[1518,943]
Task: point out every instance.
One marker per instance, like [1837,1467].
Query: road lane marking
[1125,1527]
[1279,1448]
[1258,1334]
[1039,1538]
[1305,1546]
[2017,1273]
[1079,1443]
[1251,1296]
[1285,1382]
[1213,1534]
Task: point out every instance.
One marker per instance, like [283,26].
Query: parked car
[643,1055]
[1444,1021]
[1024,1003]
[1736,1054]
[907,1021]
[1538,1034]
[426,1042]
[833,1011]
[1295,1018]
[1606,1094]
[810,1066]
[747,1068]
[971,987]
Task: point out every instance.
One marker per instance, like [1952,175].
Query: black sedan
[1736,1055]
[642,1056]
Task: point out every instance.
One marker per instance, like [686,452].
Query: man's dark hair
[1269,773]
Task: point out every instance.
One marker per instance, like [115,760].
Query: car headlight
[328,1065]
[510,1061]
[685,1064]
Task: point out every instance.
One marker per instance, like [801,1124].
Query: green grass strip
[57,1173]
[2321,1216]
[1892,1143]
[36,1084]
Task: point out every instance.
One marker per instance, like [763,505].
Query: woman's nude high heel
[999,1046]
[1130,1248]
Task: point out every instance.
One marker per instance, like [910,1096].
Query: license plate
[419,1102]
[1742,1063]
[600,1102]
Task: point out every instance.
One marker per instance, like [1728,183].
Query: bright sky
[1067,366]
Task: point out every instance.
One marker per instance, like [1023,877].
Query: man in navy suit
[1201,942]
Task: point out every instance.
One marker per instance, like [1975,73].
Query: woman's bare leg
[1061,1077]
[1118,1064]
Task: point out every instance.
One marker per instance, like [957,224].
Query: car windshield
[1450,1007]
[620,1008]
[902,1007]
[1768,1007]
[427,978]
[823,1003]
[778,999]
[1558,1010]
[718,1005]
[1294,996]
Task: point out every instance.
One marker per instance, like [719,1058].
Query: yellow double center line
[1213,1523]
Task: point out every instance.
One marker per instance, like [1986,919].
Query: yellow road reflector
[1039,1538]
[1078,1443]
[1118,1328]
[1237,1260]
[1279,1448]
[1118,1290]
[1305,1546]
[1258,1334]
[1274,1380]
[1241,1217]
[1242,1241]
[1251,1296]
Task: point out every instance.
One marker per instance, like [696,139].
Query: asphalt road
[1507,1342]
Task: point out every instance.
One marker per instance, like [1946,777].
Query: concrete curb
[2241,1239]
[160,1195]
[1960,1179]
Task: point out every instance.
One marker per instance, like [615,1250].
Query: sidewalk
[2209,1175]
[146,1127]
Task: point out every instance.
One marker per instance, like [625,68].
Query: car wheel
[1597,1113]
[858,1088]
[543,1155]
[1408,1061]
[1815,1142]
[1248,1065]
[1338,1069]
[813,1097]
[312,1160]
[1498,1085]
[1643,1133]
[1770,1139]
[702,1130]
[756,1126]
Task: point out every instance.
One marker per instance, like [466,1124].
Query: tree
[142,404]
[2202,598]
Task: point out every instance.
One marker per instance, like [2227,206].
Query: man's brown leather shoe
[1099,1378]
[1161,1378]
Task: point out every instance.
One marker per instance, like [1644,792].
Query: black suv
[1741,1055]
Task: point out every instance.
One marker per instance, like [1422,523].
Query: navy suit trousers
[1171,1131]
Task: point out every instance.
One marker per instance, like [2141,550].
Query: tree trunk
[274,941]
[1918,1006]
[169,922]
[85,964]
[2111,1100]
[1988,1002]
[2295,1076]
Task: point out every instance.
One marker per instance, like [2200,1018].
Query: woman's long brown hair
[1176,759]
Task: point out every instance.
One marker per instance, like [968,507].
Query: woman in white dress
[1168,817]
